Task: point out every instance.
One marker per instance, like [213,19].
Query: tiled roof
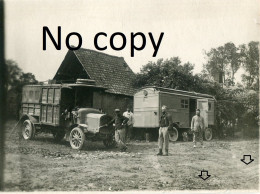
[108,71]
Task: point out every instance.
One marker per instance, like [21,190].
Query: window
[184,103]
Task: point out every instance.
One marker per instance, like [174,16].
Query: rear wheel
[77,138]
[173,134]
[208,134]
[28,131]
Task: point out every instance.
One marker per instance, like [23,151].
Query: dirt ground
[43,165]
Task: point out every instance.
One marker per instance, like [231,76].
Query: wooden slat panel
[43,117]
[50,95]
[56,96]
[56,115]
[49,114]
[37,112]
[44,95]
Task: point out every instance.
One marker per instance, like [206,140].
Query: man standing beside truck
[119,122]
[129,126]
[197,127]
[165,123]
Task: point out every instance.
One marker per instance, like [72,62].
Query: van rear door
[146,108]
[203,105]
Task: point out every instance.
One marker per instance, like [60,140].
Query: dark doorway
[192,109]
[83,97]
[67,99]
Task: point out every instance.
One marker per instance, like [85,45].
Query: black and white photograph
[129,96]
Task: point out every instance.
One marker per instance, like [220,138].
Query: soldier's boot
[160,152]
[166,152]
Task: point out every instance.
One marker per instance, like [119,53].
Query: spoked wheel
[110,142]
[77,138]
[185,136]
[208,134]
[173,134]
[28,131]
[58,135]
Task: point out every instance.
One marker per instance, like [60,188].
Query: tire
[208,134]
[28,131]
[185,136]
[173,134]
[77,138]
[58,135]
[110,142]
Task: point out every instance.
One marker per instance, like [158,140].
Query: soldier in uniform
[165,123]
[197,127]
[119,122]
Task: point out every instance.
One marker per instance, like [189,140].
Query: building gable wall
[70,69]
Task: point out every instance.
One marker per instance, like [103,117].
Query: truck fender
[84,127]
[31,118]
[27,117]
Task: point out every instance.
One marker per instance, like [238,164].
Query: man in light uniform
[129,126]
[163,140]
[197,127]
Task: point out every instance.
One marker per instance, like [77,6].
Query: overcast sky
[189,26]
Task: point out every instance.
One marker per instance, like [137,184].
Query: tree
[223,62]
[16,78]
[250,60]
[13,74]
[216,62]
[232,54]
[168,73]
[28,78]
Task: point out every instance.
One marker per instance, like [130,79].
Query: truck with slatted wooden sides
[65,111]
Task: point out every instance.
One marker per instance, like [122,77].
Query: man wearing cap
[197,127]
[119,122]
[165,123]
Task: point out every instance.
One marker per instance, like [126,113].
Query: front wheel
[208,134]
[77,138]
[173,134]
[28,131]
